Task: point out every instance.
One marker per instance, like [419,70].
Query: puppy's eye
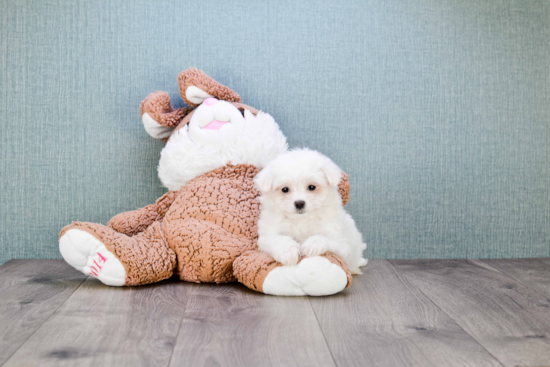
[285,190]
[311,187]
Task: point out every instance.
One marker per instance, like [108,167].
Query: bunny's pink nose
[210,101]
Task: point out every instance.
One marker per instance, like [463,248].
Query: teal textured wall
[439,111]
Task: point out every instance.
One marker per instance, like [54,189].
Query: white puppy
[302,211]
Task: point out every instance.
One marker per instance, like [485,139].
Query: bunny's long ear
[159,117]
[196,86]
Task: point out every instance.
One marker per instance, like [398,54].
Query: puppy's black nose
[299,204]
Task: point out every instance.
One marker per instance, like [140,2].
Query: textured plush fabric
[199,79]
[438,110]
[197,233]
[146,257]
[136,221]
[343,188]
[158,106]
[240,106]
[252,267]
[212,221]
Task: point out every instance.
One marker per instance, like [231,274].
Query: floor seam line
[179,328]
[449,316]
[515,279]
[46,320]
[322,331]
[402,282]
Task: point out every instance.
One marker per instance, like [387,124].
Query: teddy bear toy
[204,229]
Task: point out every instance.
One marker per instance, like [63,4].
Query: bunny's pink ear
[196,86]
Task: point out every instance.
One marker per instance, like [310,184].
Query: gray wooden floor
[398,313]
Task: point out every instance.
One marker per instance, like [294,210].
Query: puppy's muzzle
[300,205]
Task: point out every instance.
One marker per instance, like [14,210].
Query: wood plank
[31,292]
[534,273]
[510,320]
[230,325]
[384,321]
[109,326]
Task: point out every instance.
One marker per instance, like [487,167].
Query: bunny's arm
[343,188]
[136,221]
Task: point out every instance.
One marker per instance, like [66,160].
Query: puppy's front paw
[314,246]
[289,257]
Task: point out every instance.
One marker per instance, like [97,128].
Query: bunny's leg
[115,258]
[314,276]
[205,251]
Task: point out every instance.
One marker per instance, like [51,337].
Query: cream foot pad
[87,254]
[313,276]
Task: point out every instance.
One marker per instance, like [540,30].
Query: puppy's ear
[264,180]
[196,86]
[332,172]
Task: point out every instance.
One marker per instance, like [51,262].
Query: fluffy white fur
[287,230]
[193,150]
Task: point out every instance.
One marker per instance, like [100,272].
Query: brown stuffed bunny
[204,229]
